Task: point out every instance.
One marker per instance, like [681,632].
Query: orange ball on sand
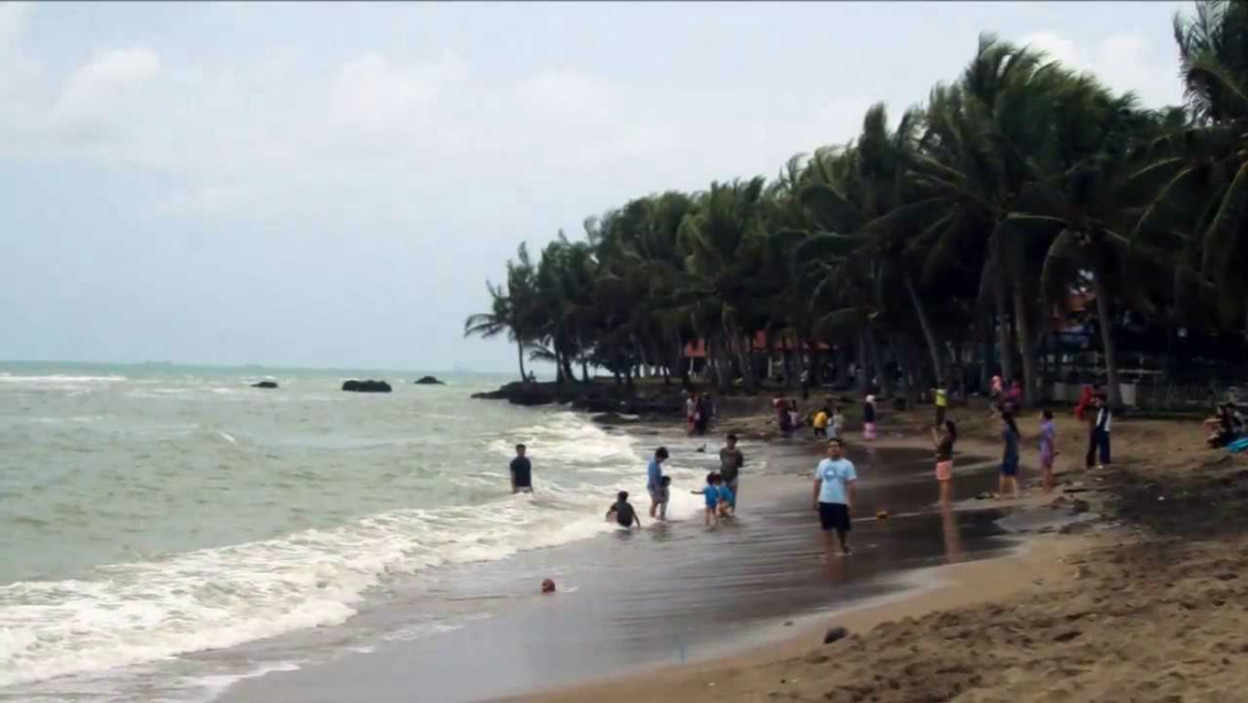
[881,515]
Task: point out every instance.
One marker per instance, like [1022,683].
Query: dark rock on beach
[369,386]
[428,381]
[593,398]
[835,633]
[265,384]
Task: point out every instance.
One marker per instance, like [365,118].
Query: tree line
[955,235]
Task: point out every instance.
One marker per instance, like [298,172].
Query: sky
[331,185]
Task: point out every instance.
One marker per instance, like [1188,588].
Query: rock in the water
[835,633]
[428,381]
[369,386]
[265,384]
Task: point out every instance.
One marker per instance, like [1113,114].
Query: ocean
[152,512]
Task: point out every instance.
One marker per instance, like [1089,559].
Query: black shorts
[834,516]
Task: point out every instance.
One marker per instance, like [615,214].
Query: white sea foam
[128,614]
[58,379]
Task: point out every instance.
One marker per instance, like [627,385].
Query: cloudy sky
[331,184]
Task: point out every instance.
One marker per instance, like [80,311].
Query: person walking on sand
[944,436]
[834,495]
[819,423]
[654,479]
[781,406]
[868,419]
[1098,437]
[1048,450]
[692,404]
[521,470]
[730,462]
[1009,458]
[941,397]
[1085,400]
[837,422]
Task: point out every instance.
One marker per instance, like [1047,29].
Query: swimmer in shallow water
[623,513]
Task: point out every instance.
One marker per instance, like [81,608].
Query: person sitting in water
[622,512]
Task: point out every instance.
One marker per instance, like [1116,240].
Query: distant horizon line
[291,367]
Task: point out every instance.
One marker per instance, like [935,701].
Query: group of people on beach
[827,421]
[1005,406]
[719,493]
[835,476]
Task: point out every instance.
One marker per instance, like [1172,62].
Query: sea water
[150,512]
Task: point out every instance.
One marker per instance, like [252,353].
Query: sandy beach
[1146,605]
[677,593]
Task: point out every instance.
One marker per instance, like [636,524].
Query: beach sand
[1151,606]
[1129,585]
[630,602]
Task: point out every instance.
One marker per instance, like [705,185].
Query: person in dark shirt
[521,472]
[730,462]
[622,512]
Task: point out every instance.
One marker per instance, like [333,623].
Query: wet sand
[668,594]
[1148,606]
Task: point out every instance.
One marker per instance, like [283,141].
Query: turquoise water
[151,511]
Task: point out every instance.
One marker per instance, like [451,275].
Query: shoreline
[758,670]
[776,576]
[1145,600]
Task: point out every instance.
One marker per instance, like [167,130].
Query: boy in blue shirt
[654,479]
[834,494]
[712,496]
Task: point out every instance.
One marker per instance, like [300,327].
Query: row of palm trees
[962,228]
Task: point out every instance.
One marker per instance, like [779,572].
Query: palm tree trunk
[1003,328]
[1107,337]
[1026,346]
[584,370]
[877,361]
[926,326]
[862,364]
[520,351]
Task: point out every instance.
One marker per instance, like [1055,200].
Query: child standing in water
[1009,460]
[710,493]
[944,437]
[665,494]
[868,419]
[1048,450]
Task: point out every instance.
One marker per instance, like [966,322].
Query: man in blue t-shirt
[654,479]
[835,493]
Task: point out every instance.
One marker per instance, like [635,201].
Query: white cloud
[13,20]
[106,92]
[371,92]
[1124,62]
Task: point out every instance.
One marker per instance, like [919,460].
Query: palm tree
[508,308]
